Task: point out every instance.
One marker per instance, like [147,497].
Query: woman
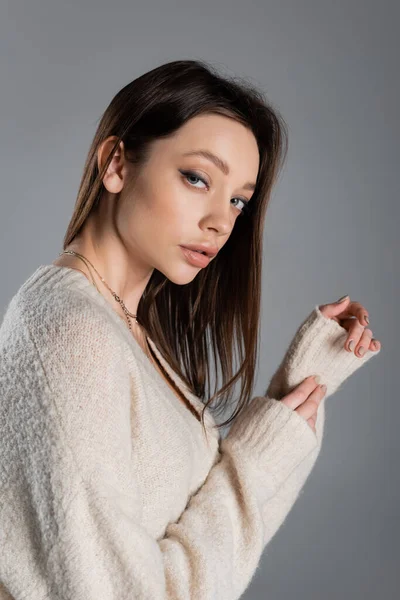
[109,487]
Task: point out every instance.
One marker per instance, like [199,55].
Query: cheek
[156,210]
[158,217]
[169,204]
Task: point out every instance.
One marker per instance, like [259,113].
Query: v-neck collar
[80,281]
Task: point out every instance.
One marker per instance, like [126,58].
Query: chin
[183,276]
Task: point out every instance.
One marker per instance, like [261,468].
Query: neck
[125,275]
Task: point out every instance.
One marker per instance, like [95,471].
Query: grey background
[332,227]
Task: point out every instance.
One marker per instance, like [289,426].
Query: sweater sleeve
[276,508]
[316,349]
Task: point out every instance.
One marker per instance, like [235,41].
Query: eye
[245,208]
[193,175]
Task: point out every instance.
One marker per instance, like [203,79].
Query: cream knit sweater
[108,488]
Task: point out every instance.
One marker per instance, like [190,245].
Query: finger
[310,406]
[375,345]
[363,343]
[311,421]
[361,313]
[300,393]
[349,322]
[335,309]
[355,332]
[357,310]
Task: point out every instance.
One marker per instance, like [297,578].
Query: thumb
[332,310]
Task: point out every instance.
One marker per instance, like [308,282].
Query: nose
[220,218]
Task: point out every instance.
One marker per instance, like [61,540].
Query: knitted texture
[317,344]
[108,488]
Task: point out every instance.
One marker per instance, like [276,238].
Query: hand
[305,399]
[353,317]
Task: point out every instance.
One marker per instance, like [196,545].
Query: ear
[113,178]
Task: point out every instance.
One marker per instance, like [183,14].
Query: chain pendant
[117,298]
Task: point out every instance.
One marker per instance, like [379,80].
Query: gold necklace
[150,352]
[116,297]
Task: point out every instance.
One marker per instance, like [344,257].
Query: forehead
[212,127]
[234,143]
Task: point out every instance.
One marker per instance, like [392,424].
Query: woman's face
[177,200]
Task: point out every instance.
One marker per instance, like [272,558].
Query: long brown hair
[220,309]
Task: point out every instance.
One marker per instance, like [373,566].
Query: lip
[194,258]
[210,251]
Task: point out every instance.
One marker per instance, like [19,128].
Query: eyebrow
[218,162]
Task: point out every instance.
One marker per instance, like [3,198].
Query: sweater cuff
[271,439]
[317,349]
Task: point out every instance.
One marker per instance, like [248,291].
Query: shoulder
[64,379]
[60,325]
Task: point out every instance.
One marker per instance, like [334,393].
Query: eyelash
[187,174]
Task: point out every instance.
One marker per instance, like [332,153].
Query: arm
[74,515]
[72,505]
[317,348]
[277,507]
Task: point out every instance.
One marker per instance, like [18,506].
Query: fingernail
[366,319]
[351,345]
[361,351]
[341,299]
[317,378]
[323,388]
